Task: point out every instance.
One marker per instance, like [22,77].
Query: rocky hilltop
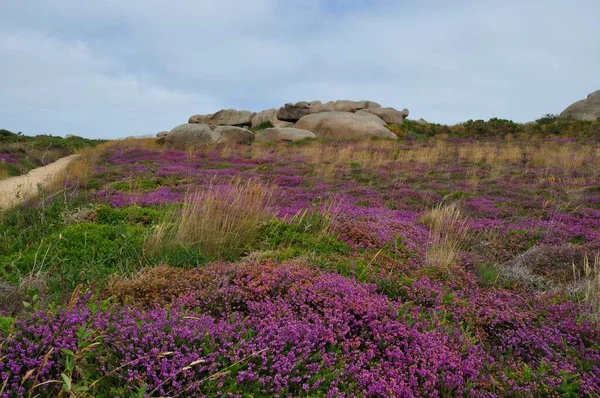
[341,120]
[585,109]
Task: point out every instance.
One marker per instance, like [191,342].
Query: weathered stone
[345,125]
[233,135]
[388,115]
[190,135]
[224,117]
[586,109]
[161,137]
[268,115]
[284,134]
[293,112]
[351,106]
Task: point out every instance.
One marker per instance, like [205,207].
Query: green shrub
[134,215]
[264,126]
[84,253]
[547,125]
[301,238]
[28,225]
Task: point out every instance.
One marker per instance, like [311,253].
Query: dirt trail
[16,189]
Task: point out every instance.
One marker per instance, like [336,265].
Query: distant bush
[30,152]
[547,125]
[547,119]
[7,135]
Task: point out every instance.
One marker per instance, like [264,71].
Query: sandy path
[16,189]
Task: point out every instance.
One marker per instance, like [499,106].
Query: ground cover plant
[20,153]
[443,266]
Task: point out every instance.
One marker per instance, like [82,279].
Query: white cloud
[54,87]
[118,68]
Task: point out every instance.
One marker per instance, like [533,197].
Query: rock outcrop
[190,135]
[294,112]
[586,109]
[268,115]
[351,106]
[343,120]
[388,115]
[276,134]
[345,125]
[233,135]
[224,117]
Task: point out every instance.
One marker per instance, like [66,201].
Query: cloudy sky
[114,68]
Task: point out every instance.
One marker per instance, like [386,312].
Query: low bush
[83,253]
[495,127]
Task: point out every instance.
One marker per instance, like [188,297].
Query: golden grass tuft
[590,284]
[447,233]
[221,221]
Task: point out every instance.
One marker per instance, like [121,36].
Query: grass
[448,231]
[425,230]
[589,284]
[29,152]
[221,221]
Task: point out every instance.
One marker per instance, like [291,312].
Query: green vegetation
[20,153]
[452,267]
[495,127]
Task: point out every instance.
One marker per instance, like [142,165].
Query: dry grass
[550,155]
[493,158]
[447,233]
[222,221]
[328,159]
[589,284]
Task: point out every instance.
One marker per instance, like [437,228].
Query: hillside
[423,266]
[20,153]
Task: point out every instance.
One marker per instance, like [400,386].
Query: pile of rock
[340,120]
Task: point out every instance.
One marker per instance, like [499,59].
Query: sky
[115,68]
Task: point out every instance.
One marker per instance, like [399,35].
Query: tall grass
[220,220]
[590,284]
[448,232]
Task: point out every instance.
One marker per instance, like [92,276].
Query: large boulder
[345,125]
[233,135]
[276,134]
[268,115]
[225,117]
[351,106]
[293,112]
[388,115]
[586,109]
[190,135]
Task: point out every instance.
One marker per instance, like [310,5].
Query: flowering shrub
[276,329]
[387,322]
